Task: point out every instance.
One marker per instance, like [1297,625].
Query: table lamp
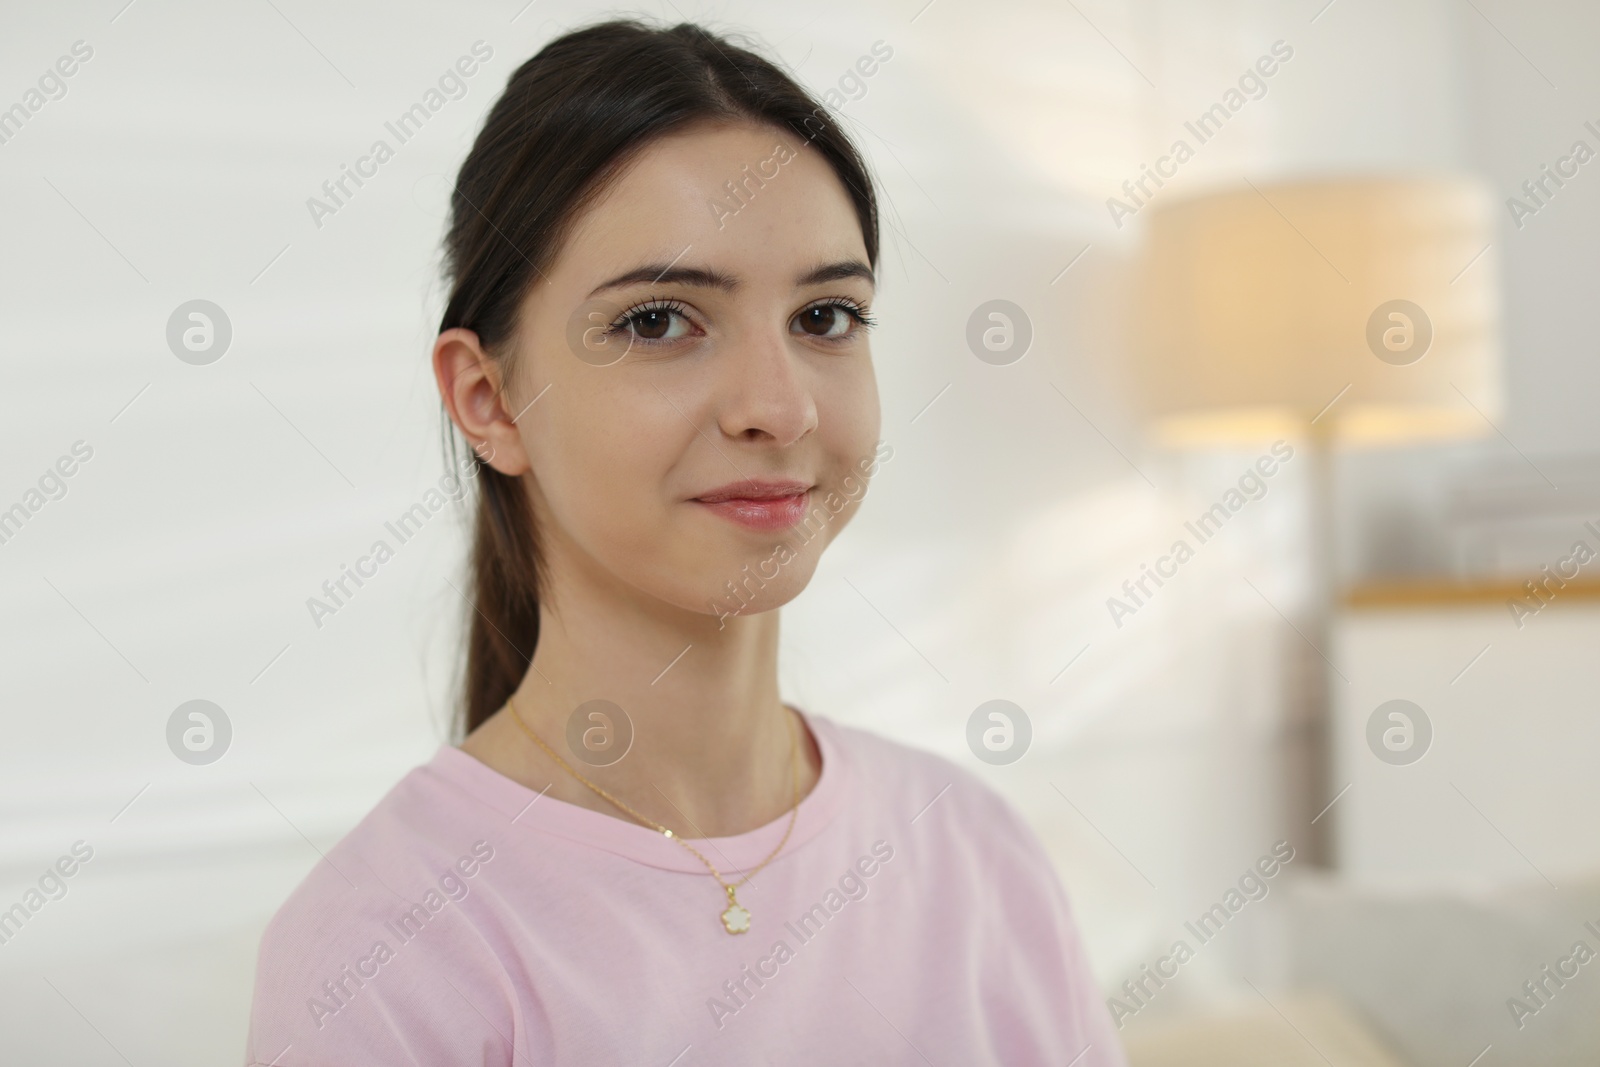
[1356,311]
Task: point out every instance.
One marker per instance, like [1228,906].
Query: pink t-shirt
[912,918]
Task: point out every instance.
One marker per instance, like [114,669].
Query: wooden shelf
[1448,593]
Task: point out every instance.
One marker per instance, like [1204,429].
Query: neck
[713,750]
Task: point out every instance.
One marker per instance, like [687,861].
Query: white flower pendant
[736,920]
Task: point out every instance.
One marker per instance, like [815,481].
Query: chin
[749,585]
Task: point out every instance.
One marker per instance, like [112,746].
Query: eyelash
[620,324]
[851,308]
[857,312]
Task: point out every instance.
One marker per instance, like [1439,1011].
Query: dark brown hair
[567,122]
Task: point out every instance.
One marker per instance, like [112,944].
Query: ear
[471,383]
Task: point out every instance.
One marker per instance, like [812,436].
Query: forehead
[752,201]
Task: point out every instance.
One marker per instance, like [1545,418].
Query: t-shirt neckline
[528,810]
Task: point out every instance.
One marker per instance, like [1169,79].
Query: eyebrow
[705,278]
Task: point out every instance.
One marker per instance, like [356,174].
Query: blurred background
[1303,288]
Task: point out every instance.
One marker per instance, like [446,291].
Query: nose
[765,390]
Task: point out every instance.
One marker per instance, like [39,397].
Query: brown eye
[825,320]
[652,325]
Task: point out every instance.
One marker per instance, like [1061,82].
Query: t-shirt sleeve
[1084,1001]
[343,978]
[1053,944]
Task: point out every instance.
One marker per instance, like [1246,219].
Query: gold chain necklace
[736,919]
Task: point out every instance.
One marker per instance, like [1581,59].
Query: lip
[758,505]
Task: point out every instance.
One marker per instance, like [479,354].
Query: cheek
[602,468]
[848,425]
[849,414]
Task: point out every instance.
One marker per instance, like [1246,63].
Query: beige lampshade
[1255,308]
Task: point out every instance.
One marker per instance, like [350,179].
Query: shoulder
[326,973]
[415,833]
[938,795]
[979,863]
[889,765]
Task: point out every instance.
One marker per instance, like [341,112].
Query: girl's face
[701,331]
